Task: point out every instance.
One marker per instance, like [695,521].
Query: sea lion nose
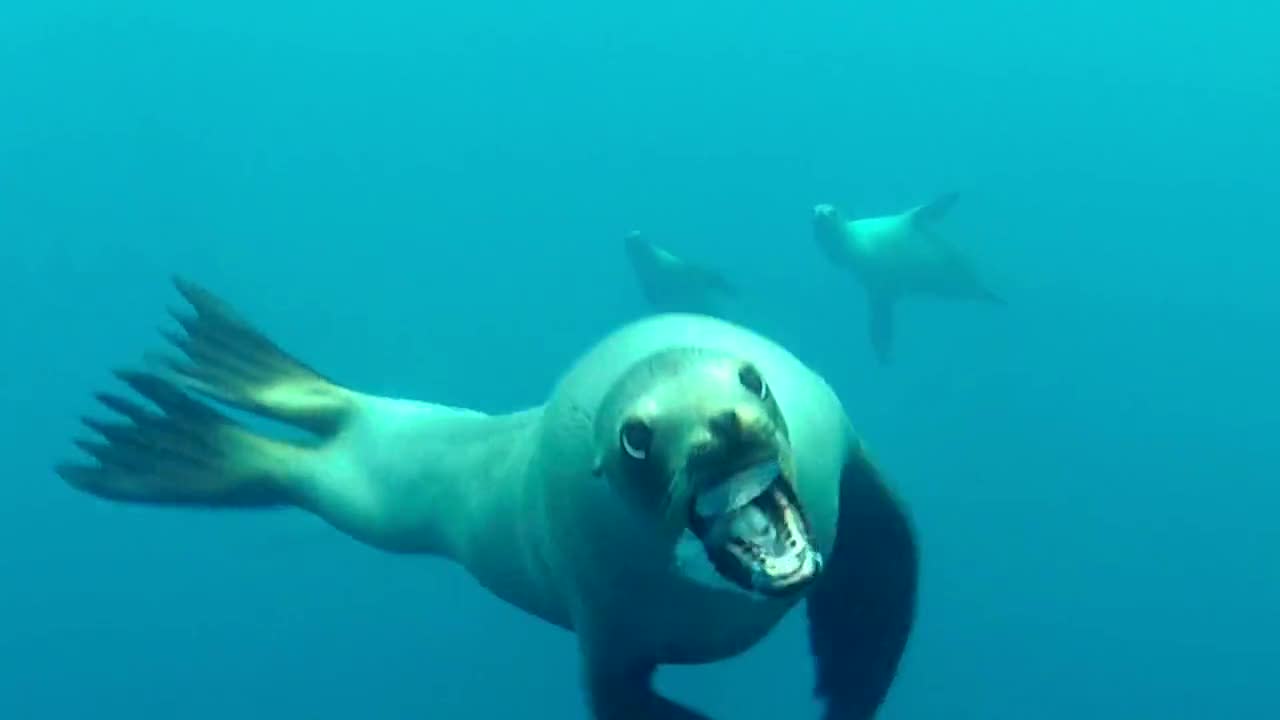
[727,425]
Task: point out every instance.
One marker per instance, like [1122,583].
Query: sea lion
[673,284]
[672,433]
[897,256]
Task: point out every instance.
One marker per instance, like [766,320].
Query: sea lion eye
[636,437]
[751,380]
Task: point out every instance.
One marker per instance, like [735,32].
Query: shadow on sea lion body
[899,256]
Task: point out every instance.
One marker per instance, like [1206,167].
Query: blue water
[430,200]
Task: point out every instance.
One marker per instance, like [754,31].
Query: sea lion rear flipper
[988,295]
[969,282]
[862,611]
[880,323]
[714,279]
[934,210]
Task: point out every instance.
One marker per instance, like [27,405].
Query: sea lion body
[896,257]
[887,252]
[673,432]
[672,284]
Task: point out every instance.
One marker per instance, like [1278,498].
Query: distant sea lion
[684,485]
[897,256]
[673,284]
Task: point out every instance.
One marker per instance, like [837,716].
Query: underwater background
[429,200]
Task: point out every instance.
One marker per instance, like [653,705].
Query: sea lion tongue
[737,490]
[753,525]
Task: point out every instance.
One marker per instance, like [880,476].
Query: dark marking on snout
[727,426]
[735,444]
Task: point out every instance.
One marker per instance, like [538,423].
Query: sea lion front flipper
[231,361]
[630,696]
[862,611]
[618,687]
[370,458]
[186,453]
[880,323]
[182,451]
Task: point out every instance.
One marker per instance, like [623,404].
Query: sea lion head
[695,443]
[830,230]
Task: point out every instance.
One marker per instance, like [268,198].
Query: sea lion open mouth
[754,531]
